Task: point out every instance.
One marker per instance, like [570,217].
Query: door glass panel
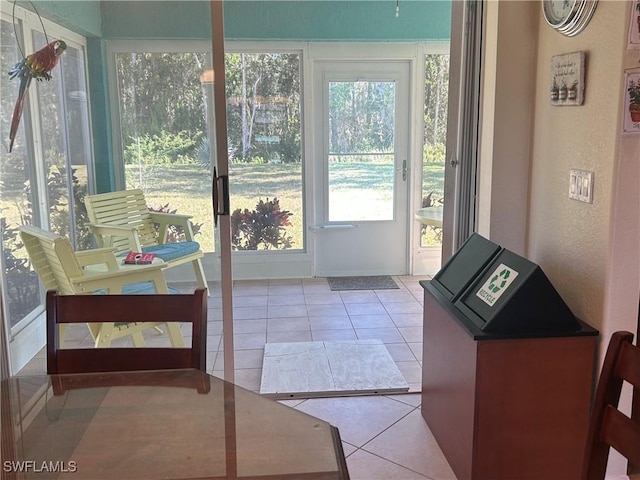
[167,116]
[164,119]
[361,151]
[436,88]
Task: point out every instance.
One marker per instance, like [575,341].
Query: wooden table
[175,424]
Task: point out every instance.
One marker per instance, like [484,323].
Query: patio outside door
[361,168]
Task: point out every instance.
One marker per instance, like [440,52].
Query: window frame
[26,337]
[251,264]
[114,47]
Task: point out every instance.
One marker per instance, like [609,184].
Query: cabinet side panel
[448,385]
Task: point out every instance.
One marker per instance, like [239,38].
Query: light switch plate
[581,185]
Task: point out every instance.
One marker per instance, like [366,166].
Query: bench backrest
[52,257]
[123,208]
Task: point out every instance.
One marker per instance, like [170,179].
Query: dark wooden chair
[62,309]
[609,427]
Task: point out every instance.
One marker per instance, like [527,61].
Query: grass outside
[187,189]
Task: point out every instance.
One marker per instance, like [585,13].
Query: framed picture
[631,109]
[634,25]
[567,79]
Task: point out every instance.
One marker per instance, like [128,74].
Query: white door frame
[345,248]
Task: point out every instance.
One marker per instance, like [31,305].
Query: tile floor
[384,436]
[303,310]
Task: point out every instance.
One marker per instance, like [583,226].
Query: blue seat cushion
[137,289]
[171,251]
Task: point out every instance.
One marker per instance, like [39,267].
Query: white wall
[506,109]
[571,239]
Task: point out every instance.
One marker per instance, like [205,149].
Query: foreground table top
[180,424]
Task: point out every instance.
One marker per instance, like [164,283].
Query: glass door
[172,123]
[362,168]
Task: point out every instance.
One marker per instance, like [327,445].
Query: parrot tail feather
[17,114]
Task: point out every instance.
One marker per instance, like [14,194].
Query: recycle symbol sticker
[496,284]
[503,276]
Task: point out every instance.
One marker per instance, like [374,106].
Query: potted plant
[634,100]
[572,93]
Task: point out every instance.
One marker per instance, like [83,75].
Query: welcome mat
[376,282]
[322,369]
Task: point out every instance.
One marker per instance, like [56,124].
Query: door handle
[220,187]
[333,226]
[403,169]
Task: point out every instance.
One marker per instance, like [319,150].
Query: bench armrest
[97,256]
[104,234]
[164,220]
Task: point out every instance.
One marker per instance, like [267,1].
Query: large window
[46,175]
[265,150]
[164,125]
[436,88]
[164,113]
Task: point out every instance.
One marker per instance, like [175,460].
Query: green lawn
[187,188]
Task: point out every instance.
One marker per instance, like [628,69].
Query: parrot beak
[59,47]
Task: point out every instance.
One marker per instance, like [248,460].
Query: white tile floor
[303,310]
[384,436]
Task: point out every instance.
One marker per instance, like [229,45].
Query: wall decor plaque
[567,79]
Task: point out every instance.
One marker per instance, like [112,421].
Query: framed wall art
[634,25]
[631,108]
[567,79]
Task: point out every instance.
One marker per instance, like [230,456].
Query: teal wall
[345,20]
[286,20]
[320,20]
[83,17]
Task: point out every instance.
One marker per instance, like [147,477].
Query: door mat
[324,369]
[376,282]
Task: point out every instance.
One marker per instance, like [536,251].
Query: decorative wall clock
[568,17]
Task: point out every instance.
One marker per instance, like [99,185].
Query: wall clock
[568,17]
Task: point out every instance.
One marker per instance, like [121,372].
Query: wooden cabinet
[505,408]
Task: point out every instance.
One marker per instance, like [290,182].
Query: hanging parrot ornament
[37,65]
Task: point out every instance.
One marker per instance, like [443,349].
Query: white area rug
[320,369]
